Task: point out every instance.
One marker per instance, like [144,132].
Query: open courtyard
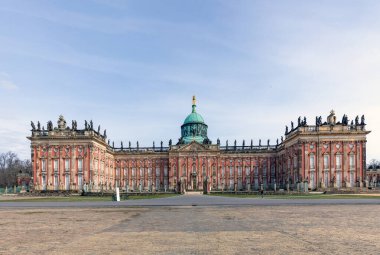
[198,225]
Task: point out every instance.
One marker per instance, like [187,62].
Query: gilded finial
[193,106]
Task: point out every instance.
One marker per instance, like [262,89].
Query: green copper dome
[194,117]
[194,128]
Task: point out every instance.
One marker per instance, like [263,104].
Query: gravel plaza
[192,225]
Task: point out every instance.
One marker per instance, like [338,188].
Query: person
[262,193]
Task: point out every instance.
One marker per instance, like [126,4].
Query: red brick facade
[328,155]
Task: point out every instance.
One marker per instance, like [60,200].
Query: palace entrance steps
[193,193]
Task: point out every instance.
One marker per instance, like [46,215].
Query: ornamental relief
[338,148]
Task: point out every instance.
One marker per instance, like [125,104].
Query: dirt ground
[327,229]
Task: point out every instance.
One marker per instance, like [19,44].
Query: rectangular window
[55,165]
[43,165]
[239,171]
[352,161]
[247,171]
[231,171]
[80,181]
[166,171]
[80,165]
[44,182]
[157,171]
[67,181]
[133,172]
[337,161]
[223,171]
[56,182]
[67,165]
[312,161]
[326,161]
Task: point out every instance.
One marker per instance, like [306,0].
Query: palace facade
[325,155]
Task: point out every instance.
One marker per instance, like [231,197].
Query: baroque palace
[325,155]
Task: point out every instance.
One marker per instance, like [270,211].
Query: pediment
[193,146]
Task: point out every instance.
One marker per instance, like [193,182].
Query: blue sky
[133,66]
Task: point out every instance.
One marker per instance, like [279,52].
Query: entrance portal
[194,182]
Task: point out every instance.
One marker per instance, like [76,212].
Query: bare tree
[10,166]
[373,164]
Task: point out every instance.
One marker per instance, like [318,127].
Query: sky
[133,66]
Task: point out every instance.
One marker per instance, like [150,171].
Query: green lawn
[84,198]
[302,196]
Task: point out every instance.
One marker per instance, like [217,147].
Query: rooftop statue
[121,145]
[260,142]
[331,119]
[129,144]
[38,126]
[268,142]
[299,121]
[251,143]
[286,130]
[363,120]
[345,120]
[291,125]
[91,125]
[282,138]
[218,141]
[170,142]
[105,134]
[61,122]
[318,121]
[85,125]
[304,121]
[243,144]
[74,125]
[357,121]
[50,125]
[277,141]
[33,126]
[99,129]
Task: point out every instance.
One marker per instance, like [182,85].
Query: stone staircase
[193,193]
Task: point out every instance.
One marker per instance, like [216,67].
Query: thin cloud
[6,83]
